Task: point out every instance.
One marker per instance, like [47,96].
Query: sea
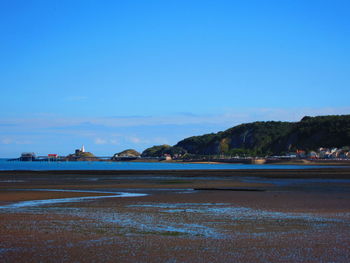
[87,165]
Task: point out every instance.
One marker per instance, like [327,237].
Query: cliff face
[245,137]
[255,137]
[273,137]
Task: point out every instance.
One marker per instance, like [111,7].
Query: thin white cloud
[160,140]
[134,139]
[100,141]
[230,116]
[6,141]
[9,141]
[227,117]
[114,141]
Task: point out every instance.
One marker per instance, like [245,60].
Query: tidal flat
[157,216]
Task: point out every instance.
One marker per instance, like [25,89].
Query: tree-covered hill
[161,150]
[156,151]
[315,132]
[128,153]
[266,138]
[252,138]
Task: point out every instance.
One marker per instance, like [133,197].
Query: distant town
[322,154]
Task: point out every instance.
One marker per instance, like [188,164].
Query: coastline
[277,162]
[257,161]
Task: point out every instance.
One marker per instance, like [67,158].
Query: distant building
[322,154]
[334,150]
[312,155]
[291,155]
[27,156]
[79,151]
[167,157]
[51,156]
[300,154]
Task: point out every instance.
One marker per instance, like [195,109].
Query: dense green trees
[265,138]
[161,150]
[128,153]
[252,138]
[312,133]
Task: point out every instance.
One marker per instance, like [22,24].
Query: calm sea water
[6,165]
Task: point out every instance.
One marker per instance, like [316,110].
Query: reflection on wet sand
[32,203]
[68,217]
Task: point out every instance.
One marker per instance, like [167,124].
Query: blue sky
[132,74]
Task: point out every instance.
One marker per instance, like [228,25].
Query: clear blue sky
[131,74]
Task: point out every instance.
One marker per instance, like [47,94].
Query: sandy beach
[242,216]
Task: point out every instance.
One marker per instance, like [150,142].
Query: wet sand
[300,216]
